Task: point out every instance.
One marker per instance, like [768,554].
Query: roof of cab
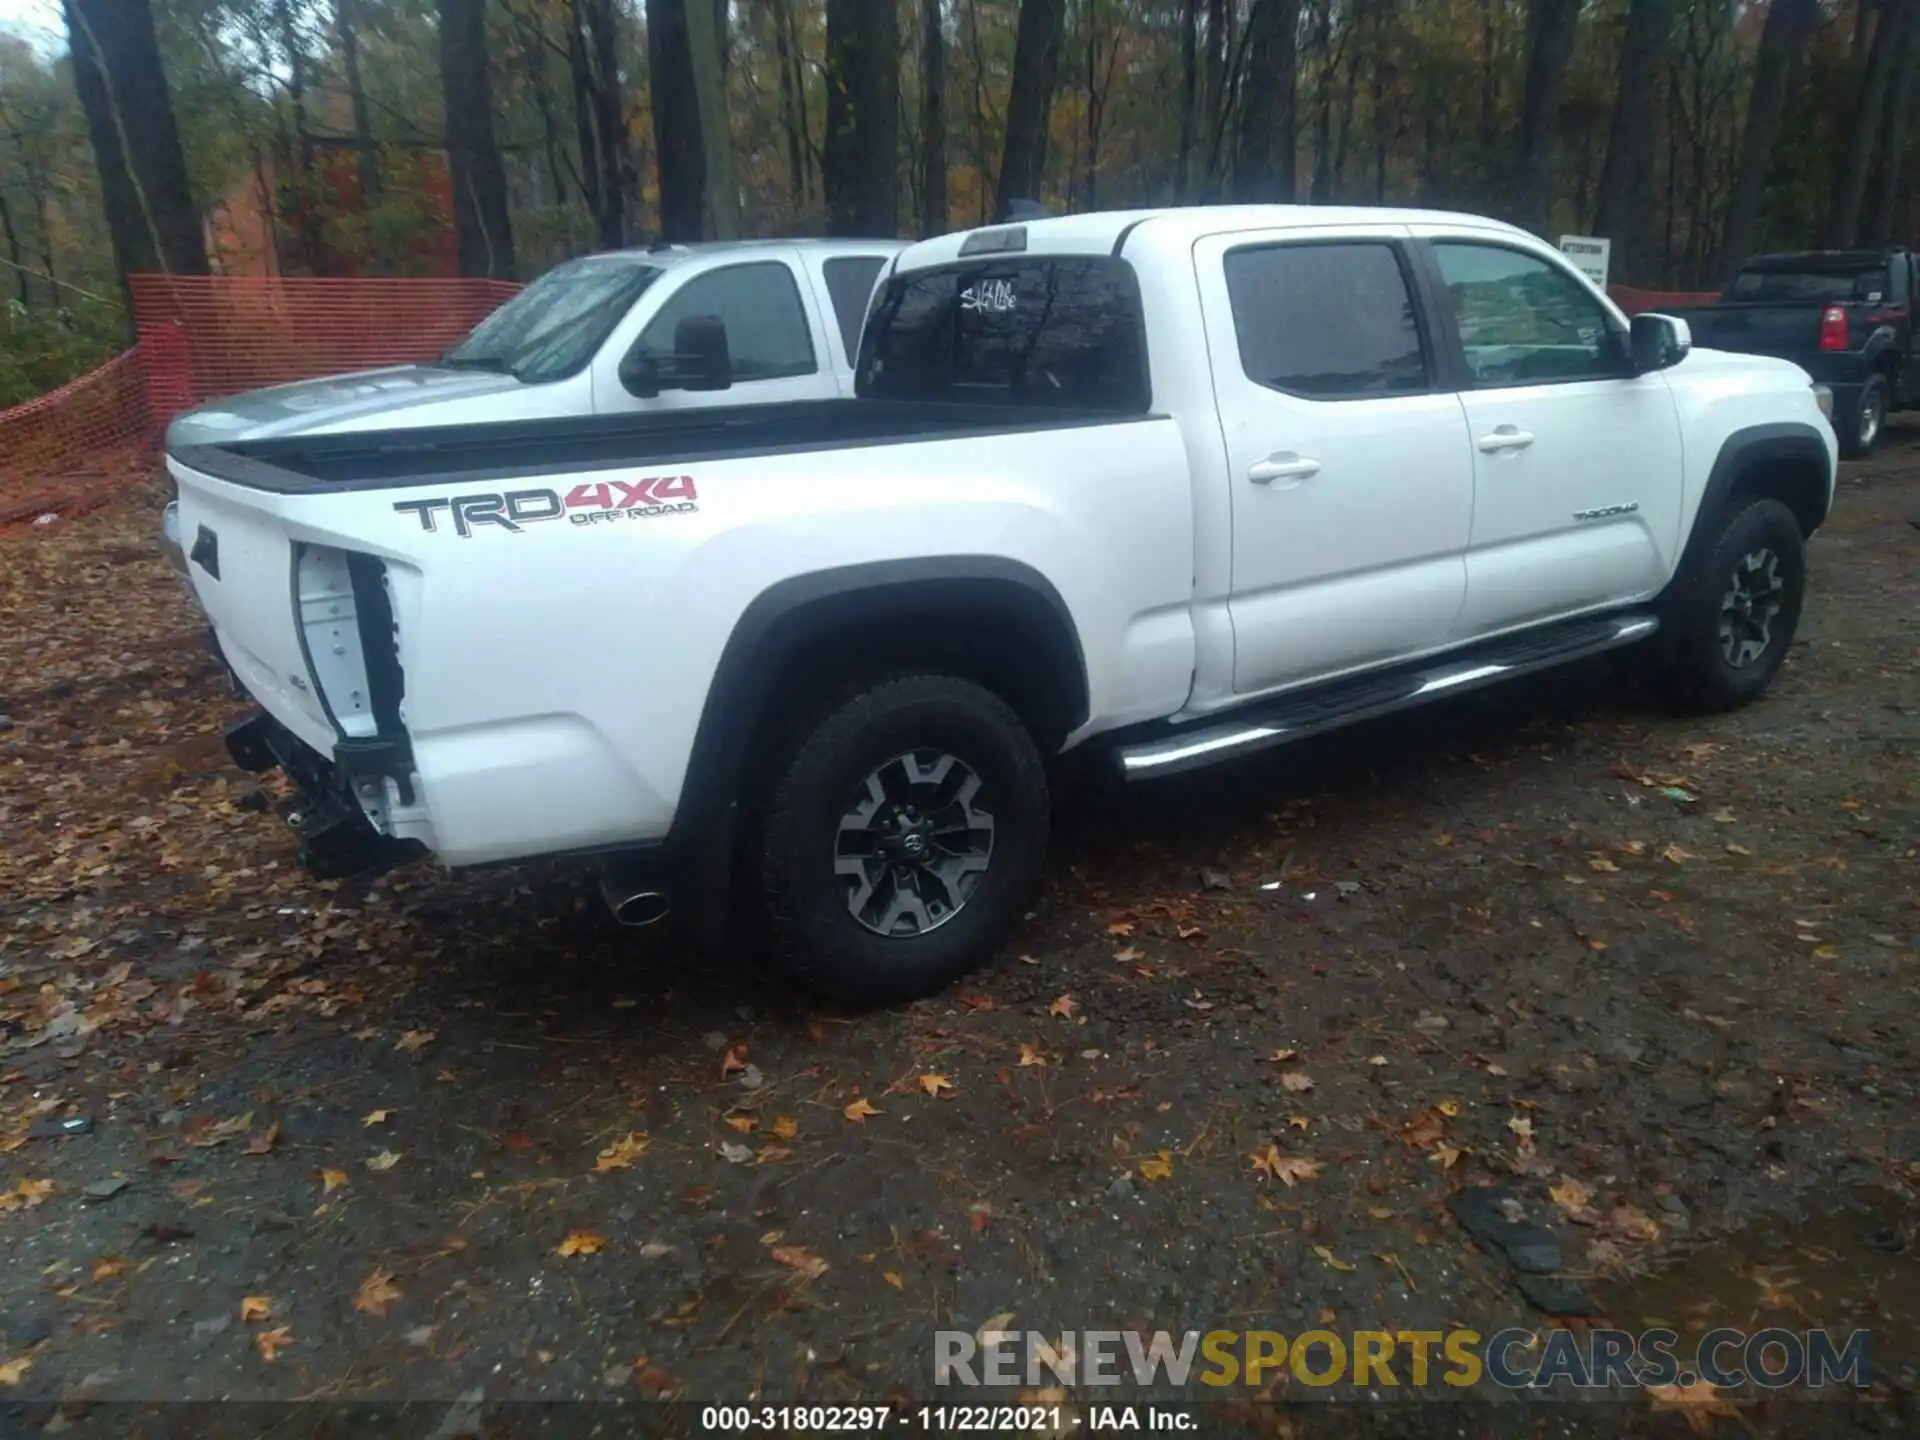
[667,256]
[1100,232]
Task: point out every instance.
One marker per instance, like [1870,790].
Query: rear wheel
[1862,437]
[901,839]
[1730,624]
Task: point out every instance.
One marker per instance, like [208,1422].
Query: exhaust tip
[644,907]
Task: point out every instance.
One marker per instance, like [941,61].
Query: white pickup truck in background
[1174,484]
[588,338]
[579,341]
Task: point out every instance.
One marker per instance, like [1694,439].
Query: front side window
[767,335]
[1326,321]
[554,327]
[1523,321]
[850,285]
[1064,333]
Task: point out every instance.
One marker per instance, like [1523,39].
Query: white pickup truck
[1174,484]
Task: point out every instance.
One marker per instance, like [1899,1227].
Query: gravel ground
[433,1137]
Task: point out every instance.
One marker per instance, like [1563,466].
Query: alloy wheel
[913,843]
[1754,597]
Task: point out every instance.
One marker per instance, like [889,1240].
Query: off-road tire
[812,933]
[1696,673]
[1860,432]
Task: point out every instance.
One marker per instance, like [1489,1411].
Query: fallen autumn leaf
[375,1294]
[799,1258]
[621,1153]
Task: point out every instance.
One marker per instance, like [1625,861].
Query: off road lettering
[511,510]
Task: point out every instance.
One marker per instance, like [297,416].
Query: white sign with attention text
[1590,253]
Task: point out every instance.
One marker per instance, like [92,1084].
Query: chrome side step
[1294,717]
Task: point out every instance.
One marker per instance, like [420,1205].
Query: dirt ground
[459,1141]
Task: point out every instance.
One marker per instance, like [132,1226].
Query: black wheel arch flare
[804,611]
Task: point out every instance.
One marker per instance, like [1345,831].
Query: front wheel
[901,839]
[1731,622]
[1861,438]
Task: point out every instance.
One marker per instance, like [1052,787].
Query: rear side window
[1060,333]
[849,286]
[1329,321]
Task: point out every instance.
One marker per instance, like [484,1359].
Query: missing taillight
[379,640]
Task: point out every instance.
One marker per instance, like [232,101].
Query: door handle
[1505,437]
[1284,466]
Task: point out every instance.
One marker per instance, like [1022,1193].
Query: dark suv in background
[1844,316]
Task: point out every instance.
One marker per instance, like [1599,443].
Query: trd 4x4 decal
[584,504]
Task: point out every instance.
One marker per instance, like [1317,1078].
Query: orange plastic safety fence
[70,444]
[1635,301]
[239,332]
[202,337]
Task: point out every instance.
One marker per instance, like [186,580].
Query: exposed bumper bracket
[336,841]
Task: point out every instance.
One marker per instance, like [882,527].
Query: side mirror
[1658,342]
[640,374]
[701,358]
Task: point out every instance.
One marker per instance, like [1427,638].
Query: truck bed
[517,449]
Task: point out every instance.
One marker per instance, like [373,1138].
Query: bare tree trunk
[1213,86]
[307,217]
[1323,106]
[977,131]
[716,137]
[1489,81]
[680,152]
[1776,68]
[1036,65]
[1850,188]
[13,250]
[151,218]
[1551,30]
[580,70]
[793,115]
[1878,227]
[1379,66]
[860,163]
[1623,209]
[609,122]
[347,26]
[533,59]
[809,152]
[1189,94]
[933,119]
[1263,165]
[483,235]
[1099,95]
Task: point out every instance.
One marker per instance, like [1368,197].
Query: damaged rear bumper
[336,838]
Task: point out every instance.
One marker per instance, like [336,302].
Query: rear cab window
[1812,285]
[1062,332]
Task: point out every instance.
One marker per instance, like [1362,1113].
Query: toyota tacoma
[1172,486]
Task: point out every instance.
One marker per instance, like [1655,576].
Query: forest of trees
[1692,132]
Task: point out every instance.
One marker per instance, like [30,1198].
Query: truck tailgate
[1786,331]
[241,566]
